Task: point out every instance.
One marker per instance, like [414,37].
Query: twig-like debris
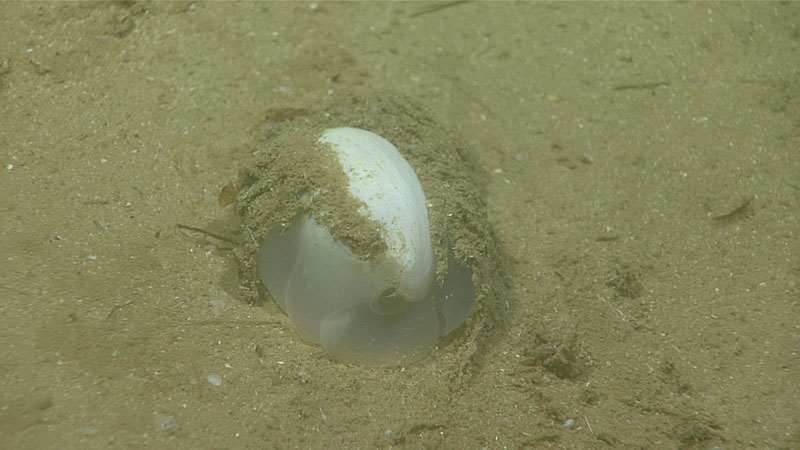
[208,233]
[737,213]
[588,424]
[650,85]
[435,7]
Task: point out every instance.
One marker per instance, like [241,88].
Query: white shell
[381,178]
[392,312]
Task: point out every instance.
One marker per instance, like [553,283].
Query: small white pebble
[217,307]
[569,423]
[216,380]
[165,422]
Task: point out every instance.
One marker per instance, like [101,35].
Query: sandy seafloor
[642,175]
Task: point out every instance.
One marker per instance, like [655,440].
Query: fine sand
[638,167]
